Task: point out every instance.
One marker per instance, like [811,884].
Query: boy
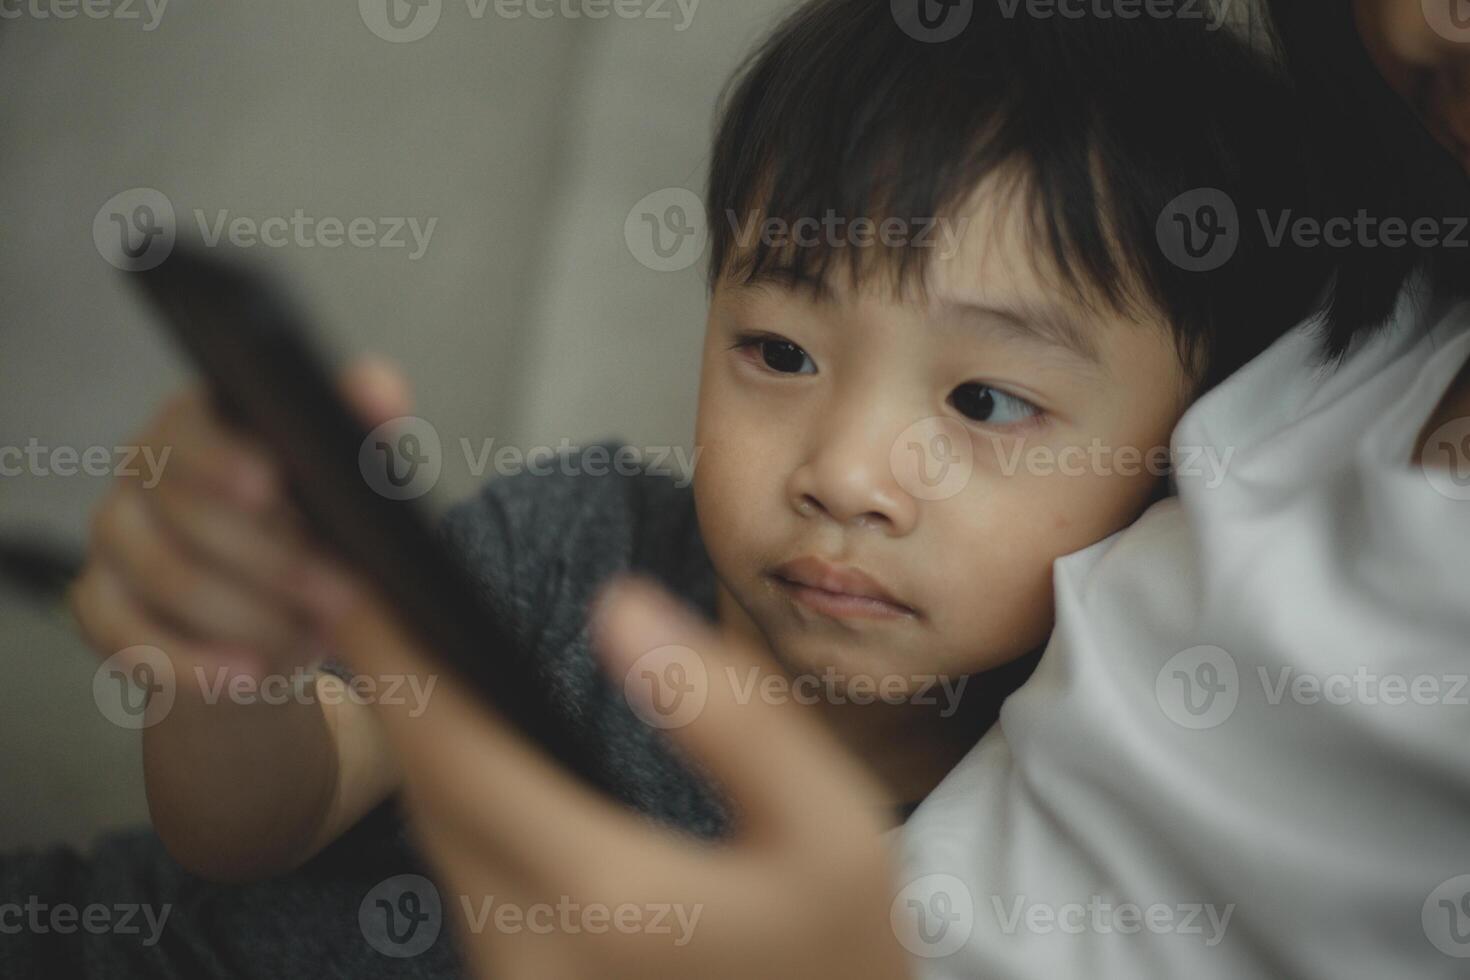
[840,375]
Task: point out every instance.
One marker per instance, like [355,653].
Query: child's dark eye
[777,354]
[981,403]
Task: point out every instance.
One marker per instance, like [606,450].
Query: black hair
[1382,160]
[845,110]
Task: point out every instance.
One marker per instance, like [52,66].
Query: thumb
[783,770]
[377,389]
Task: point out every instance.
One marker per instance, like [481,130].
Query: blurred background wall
[540,147]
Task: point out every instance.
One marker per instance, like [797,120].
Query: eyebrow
[1044,324]
[1047,324]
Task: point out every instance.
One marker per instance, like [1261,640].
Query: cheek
[991,567]
[730,495]
[989,575]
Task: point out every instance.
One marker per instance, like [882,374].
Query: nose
[848,477]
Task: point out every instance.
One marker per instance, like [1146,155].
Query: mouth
[839,591]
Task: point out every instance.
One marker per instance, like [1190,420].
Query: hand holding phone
[269,378]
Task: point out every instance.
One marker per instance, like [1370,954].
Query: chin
[801,651]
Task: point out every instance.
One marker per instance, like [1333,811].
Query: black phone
[269,376]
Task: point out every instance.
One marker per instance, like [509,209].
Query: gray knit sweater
[539,545]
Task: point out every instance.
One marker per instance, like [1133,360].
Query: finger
[466,767]
[269,552]
[181,590]
[783,771]
[375,387]
[113,621]
[191,443]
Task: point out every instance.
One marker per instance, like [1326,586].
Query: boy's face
[1419,48]
[829,440]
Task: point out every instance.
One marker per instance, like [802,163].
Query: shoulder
[608,486]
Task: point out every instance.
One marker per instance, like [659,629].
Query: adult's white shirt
[1246,749]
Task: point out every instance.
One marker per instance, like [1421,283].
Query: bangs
[1091,126]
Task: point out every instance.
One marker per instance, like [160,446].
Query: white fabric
[1320,835]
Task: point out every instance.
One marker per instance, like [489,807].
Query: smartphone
[251,342]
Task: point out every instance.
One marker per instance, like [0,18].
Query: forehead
[1003,252]
[988,266]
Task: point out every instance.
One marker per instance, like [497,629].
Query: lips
[840,582]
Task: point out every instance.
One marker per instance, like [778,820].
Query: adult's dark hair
[1381,159]
[1106,120]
